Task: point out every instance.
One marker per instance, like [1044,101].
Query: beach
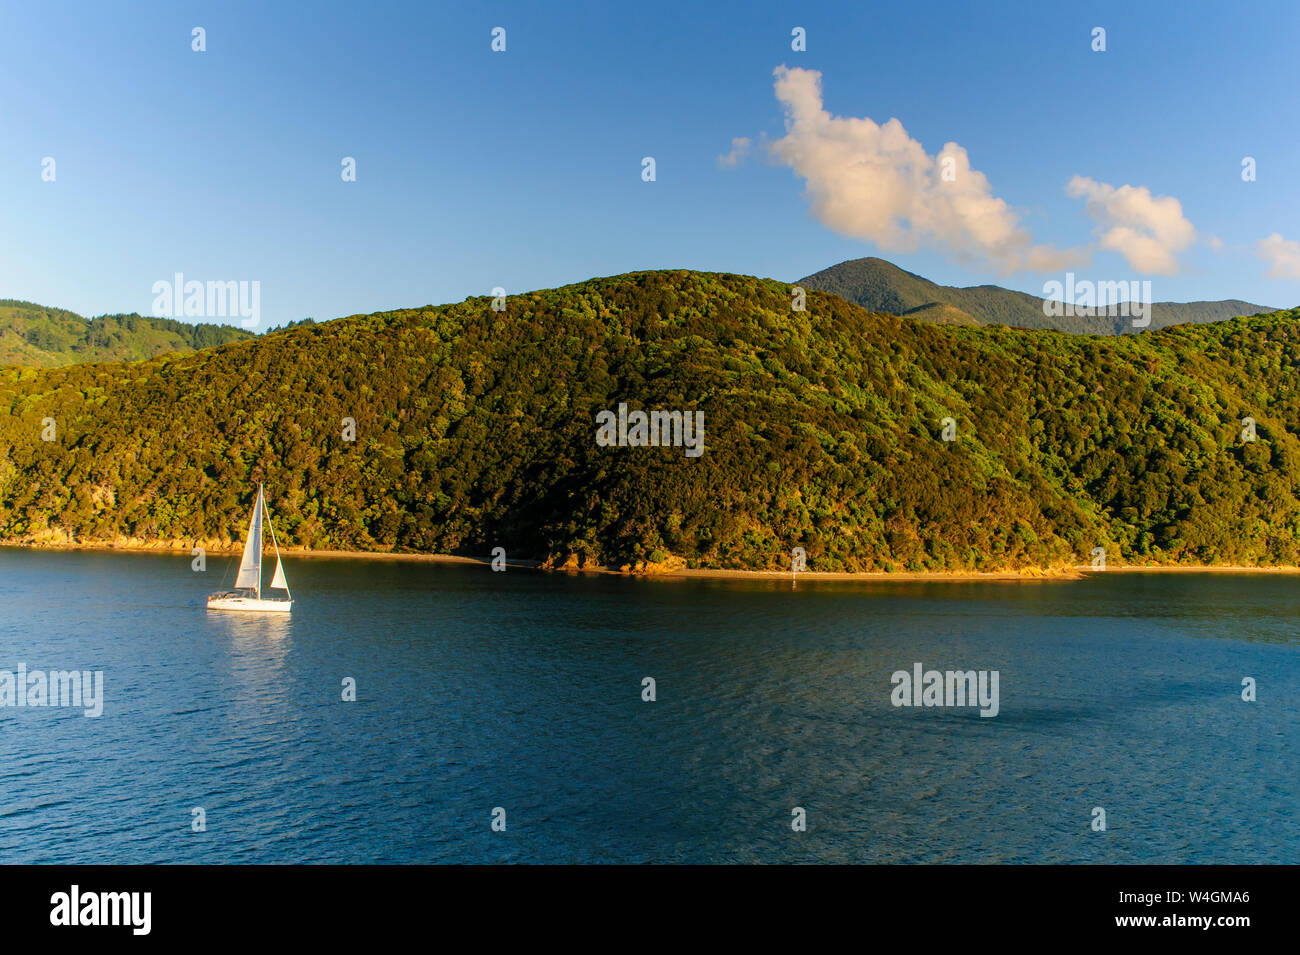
[675,569]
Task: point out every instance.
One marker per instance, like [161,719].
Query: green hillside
[476,429]
[941,314]
[42,337]
[881,286]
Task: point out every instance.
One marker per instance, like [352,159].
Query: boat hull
[249,604]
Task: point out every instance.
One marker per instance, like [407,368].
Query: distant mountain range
[881,286]
[36,335]
[44,337]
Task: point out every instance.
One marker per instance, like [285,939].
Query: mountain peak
[881,286]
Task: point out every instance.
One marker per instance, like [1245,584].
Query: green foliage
[37,336]
[477,429]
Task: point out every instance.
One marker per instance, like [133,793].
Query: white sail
[250,568]
[278,580]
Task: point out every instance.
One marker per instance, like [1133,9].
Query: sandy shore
[1193,569]
[670,571]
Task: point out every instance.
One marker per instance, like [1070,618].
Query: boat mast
[261,506]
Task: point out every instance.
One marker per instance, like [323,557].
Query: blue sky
[522,169]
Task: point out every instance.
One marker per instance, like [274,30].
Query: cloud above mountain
[1149,231]
[874,182]
[1281,255]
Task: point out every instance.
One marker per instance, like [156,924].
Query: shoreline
[1030,574]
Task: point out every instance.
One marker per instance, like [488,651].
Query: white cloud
[1281,255]
[875,182]
[739,150]
[1149,231]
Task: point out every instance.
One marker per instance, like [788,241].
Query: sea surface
[522,692]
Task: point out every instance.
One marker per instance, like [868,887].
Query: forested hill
[823,429]
[878,285]
[43,337]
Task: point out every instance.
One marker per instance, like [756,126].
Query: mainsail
[250,568]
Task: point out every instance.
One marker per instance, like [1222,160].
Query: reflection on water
[256,650]
[523,690]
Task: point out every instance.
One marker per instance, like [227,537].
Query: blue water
[522,691]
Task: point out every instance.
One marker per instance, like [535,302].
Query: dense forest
[881,286]
[824,429]
[45,337]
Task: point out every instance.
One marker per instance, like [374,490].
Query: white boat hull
[253,604]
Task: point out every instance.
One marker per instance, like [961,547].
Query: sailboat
[250,572]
